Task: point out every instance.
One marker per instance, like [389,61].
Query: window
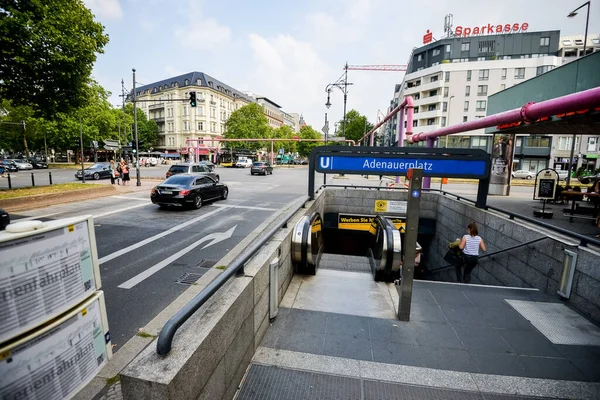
[596,41]
[486,46]
[482,90]
[446,89]
[481,104]
[200,126]
[564,143]
[465,46]
[592,142]
[213,112]
[467,91]
[436,52]
[185,110]
[480,58]
[519,73]
[200,111]
[484,74]
[448,47]
[545,41]
[578,42]
[432,107]
[566,42]
[447,76]
[503,86]
[465,118]
[185,125]
[543,69]
[443,121]
[466,107]
[432,93]
[468,75]
[434,78]
[431,121]
[504,73]
[415,123]
[213,126]
[420,57]
[445,106]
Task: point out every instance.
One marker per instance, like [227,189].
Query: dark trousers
[469,262]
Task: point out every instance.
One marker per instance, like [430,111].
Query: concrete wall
[213,349]
[538,265]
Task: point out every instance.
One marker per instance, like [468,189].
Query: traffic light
[193,99]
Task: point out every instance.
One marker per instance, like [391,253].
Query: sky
[290,50]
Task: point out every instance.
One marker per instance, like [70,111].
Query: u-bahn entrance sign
[396,161]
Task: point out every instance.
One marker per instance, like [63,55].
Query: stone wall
[213,349]
[538,265]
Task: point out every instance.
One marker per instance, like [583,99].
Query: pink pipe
[406,103]
[530,112]
[400,134]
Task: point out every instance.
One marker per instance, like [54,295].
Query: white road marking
[118,210]
[246,207]
[132,198]
[159,235]
[213,238]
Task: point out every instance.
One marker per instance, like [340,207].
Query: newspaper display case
[45,272]
[59,358]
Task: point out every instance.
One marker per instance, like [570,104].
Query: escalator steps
[342,262]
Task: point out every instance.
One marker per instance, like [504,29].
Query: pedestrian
[470,245]
[125,171]
[113,172]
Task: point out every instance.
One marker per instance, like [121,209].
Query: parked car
[243,162]
[261,168]
[38,164]
[4,219]
[10,166]
[96,171]
[523,174]
[192,168]
[208,164]
[562,175]
[188,190]
[22,164]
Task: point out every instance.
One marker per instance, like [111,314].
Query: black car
[188,190]
[261,168]
[96,171]
[4,219]
[10,166]
[38,164]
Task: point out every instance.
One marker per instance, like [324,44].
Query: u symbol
[324,162]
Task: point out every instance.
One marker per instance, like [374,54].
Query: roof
[194,79]
[269,101]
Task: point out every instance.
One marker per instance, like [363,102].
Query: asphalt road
[144,251]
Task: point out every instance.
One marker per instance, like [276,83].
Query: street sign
[281,151]
[392,206]
[400,166]
[325,129]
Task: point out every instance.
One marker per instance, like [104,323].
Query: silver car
[523,174]
[23,165]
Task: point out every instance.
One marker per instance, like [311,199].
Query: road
[144,251]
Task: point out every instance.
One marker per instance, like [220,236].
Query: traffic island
[14,200]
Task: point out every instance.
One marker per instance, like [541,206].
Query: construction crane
[381,67]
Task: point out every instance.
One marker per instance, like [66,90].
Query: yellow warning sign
[71,228]
[84,312]
[366,222]
[381,205]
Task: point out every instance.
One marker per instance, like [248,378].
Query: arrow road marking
[213,238]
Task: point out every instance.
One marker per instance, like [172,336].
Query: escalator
[375,249]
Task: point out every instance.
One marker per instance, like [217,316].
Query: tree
[307,132]
[284,132]
[147,129]
[356,126]
[248,122]
[47,51]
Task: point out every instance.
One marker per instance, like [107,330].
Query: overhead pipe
[529,113]
[408,104]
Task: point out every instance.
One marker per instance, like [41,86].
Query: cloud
[109,9]
[206,34]
[172,71]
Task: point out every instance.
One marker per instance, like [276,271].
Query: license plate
[166,192]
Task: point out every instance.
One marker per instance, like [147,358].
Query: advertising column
[503,147]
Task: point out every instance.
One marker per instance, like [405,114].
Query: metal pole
[45,147]
[326,131]
[571,159]
[81,150]
[587,21]
[137,147]
[345,97]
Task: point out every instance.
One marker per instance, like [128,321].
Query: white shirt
[472,245]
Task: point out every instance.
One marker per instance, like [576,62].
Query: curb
[26,203]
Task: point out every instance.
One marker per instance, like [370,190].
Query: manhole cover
[189,278]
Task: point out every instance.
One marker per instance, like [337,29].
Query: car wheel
[96,176]
[225,194]
[529,176]
[251,173]
[197,201]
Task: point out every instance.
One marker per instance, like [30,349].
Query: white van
[243,162]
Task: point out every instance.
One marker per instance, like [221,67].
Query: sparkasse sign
[490,29]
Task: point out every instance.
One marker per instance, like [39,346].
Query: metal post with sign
[546,182]
[413,208]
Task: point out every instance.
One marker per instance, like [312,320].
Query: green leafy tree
[284,132]
[307,132]
[147,129]
[248,122]
[47,51]
[356,126]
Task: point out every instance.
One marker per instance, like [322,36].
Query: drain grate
[205,264]
[189,278]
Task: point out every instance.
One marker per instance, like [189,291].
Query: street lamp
[587,21]
[342,84]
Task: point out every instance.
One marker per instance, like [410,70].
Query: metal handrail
[165,338]
[495,252]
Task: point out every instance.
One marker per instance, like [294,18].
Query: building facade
[450,81]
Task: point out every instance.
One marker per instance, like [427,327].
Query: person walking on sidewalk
[470,245]
[125,171]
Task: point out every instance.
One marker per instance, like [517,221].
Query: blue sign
[445,167]
[415,193]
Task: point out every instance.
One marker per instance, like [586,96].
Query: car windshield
[258,164]
[178,168]
[179,180]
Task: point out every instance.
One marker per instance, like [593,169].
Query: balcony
[426,87]
[156,106]
[158,120]
[213,103]
[426,115]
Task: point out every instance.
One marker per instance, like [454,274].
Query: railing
[165,338]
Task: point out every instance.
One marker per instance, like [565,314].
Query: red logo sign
[428,37]
[490,29]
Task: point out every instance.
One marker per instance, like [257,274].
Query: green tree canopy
[307,132]
[248,122]
[47,51]
[356,126]
[284,132]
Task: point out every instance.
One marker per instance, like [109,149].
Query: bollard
[50,177]
[32,180]
[9,181]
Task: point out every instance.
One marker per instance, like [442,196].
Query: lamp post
[587,21]
[137,148]
[342,84]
